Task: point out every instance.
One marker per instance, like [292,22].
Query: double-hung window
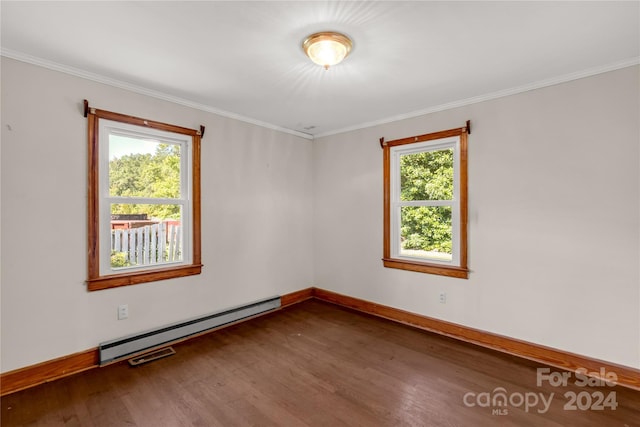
[425,203]
[144,200]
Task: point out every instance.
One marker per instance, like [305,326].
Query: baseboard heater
[113,350]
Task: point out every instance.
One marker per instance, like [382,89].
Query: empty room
[320,213]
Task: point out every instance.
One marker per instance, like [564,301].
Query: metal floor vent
[127,346]
[151,356]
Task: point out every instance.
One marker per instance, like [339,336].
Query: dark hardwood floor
[315,364]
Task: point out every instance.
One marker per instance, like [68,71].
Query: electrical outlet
[123,311]
[443,298]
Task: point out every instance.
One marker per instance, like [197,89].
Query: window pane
[145,234]
[143,168]
[425,232]
[427,175]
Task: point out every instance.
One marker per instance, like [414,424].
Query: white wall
[256,218]
[554,218]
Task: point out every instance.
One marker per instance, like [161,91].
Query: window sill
[126,279]
[423,267]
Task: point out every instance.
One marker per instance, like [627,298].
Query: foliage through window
[425,209]
[144,200]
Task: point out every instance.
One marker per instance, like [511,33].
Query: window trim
[95,280]
[460,270]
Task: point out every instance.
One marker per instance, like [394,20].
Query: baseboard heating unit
[127,346]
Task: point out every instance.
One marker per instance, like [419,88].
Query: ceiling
[244,59]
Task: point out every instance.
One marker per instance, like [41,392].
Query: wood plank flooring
[315,364]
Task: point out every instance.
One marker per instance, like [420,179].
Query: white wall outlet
[123,311]
[443,297]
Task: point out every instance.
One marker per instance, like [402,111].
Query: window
[144,200]
[425,203]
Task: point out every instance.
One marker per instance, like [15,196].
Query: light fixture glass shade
[327,48]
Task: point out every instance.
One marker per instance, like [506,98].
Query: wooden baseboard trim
[61,367]
[296,297]
[627,376]
[49,370]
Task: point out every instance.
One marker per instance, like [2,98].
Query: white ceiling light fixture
[327,48]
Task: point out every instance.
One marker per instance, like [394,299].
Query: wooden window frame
[460,270]
[95,280]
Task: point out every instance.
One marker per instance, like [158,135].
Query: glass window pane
[145,235]
[143,168]
[425,232]
[427,175]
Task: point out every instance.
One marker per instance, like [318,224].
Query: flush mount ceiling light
[327,48]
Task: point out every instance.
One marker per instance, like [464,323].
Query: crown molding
[487,97]
[23,57]
[19,56]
